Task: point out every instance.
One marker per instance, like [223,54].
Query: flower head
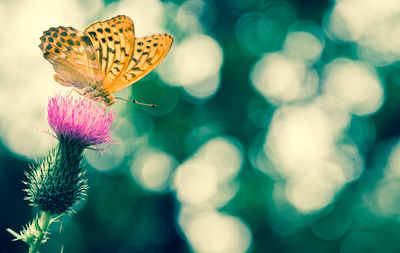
[80,120]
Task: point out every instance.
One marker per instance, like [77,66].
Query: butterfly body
[99,95]
[103,59]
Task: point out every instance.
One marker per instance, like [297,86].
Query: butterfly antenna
[136,102]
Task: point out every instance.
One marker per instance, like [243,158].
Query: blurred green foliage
[121,215]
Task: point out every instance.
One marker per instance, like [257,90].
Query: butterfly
[103,59]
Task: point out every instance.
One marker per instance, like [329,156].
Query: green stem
[44,223]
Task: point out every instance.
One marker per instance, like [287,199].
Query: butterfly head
[108,100]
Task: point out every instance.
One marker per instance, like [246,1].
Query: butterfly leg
[77,91]
[61,81]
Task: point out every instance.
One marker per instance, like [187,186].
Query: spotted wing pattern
[148,52]
[113,41]
[73,57]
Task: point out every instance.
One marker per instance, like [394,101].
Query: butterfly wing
[113,41]
[72,55]
[105,58]
[147,53]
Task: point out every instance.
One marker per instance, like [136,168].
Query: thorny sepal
[57,182]
[29,232]
[35,232]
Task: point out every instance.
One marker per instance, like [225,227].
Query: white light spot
[382,200]
[280,79]
[204,89]
[206,179]
[310,193]
[303,45]
[353,86]
[373,24]
[303,146]
[195,182]
[217,233]
[109,160]
[299,137]
[223,154]
[152,170]
[194,60]
[189,14]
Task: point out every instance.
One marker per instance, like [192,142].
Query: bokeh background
[277,128]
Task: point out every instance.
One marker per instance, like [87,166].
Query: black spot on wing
[85,39]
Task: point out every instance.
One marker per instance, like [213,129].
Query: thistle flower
[56,182]
[79,120]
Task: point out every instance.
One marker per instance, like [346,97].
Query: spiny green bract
[56,182]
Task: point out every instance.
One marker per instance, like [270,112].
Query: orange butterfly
[103,59]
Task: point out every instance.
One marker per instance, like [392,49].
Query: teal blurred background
[277,128]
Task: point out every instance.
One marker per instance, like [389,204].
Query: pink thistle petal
[80,119]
